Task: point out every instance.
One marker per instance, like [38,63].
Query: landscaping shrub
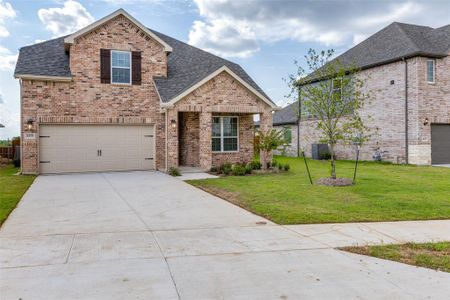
[248,169]
[214,169]
[326,155]
[286,167]
[226,169]
[174,171]
[238,170]
[255,165]
[274,164]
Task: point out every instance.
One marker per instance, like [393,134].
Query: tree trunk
[263,160]
[333,164]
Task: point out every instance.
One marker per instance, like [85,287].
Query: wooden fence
[7,152]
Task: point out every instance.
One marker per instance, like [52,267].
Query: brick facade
[222,95]
[85,100]
[387,112]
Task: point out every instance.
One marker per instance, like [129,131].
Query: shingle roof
[46,59]
[287,115]
[187,65]
[397,41]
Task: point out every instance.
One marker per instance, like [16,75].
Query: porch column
[265,124]
[172,138]
[205,147]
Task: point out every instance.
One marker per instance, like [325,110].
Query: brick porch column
[205,153]
[265,124]
[172,138]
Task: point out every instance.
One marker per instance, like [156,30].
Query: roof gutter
[43,77]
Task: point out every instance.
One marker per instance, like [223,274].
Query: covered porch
[202,137]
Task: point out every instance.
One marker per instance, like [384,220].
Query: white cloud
[7,59]
[238,28]
[220,38]
[6,12]
[67,19]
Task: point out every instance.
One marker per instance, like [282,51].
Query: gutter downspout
[298,120]
[166,134]
[406,113]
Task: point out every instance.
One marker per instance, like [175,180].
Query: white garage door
[87,148]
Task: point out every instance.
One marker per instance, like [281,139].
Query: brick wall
[290,149]
[86,100]
[385,114]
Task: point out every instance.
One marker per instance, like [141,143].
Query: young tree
[268,141]
[331,92]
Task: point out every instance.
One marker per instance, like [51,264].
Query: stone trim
[220,108]
[93,120]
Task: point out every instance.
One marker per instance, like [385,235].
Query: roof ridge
[406,35]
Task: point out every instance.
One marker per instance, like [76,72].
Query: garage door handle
[44,162]
[99,152]
[44,136]
[148,158]
[148,135]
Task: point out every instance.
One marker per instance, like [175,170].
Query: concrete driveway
[146,235]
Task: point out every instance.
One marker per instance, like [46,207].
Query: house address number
[30,136]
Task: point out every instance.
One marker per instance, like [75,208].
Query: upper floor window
[431,70]
[225,134]
[120,67]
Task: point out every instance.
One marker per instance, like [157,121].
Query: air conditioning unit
[318,150]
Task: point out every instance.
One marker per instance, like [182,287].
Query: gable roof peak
[71,38]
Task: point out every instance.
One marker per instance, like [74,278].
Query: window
[287,134]
[225,134]
[431,68]
[121,67]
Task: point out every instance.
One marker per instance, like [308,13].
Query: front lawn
[429,255]
[384,192]
[12,188]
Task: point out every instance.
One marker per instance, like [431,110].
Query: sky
[264,36]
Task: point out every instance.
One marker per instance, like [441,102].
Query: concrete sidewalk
[375,233]
[146,235]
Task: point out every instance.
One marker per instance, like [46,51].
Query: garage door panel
[440,143]
[74,148]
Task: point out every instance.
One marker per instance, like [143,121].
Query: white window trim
[222,136]
[130,68]
[434,70]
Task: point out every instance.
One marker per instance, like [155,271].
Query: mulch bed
[334,182]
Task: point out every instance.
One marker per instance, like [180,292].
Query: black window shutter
[136,67]
[105,66]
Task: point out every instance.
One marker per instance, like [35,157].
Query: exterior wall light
[30,124]
[425,122]
[173,123]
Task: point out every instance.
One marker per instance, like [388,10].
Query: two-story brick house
[407,72]
[119,96]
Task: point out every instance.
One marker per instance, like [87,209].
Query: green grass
[429,255]
[383,192]
[12,188]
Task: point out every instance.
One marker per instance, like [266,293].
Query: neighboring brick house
[408,72]
[119,96]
